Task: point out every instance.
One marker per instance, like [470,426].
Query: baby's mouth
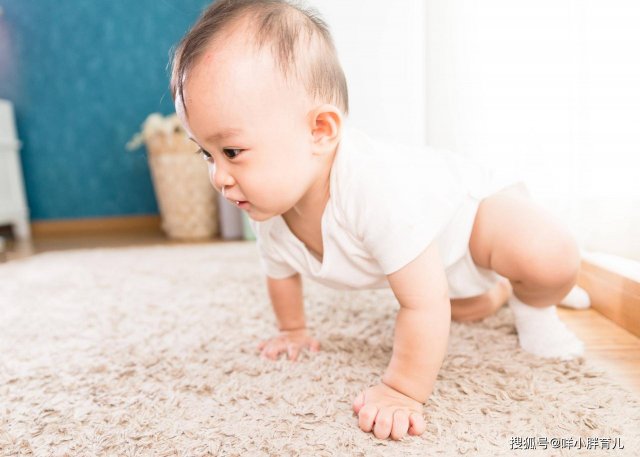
[237,202]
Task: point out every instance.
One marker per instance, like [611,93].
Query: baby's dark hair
[297,37]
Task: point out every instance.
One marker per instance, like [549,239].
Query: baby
[258,86]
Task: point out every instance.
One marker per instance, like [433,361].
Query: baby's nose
[220,180]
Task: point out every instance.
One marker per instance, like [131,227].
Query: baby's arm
[422,325]
[287,303]
[394,407]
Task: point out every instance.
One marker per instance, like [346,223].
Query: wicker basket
[187,200]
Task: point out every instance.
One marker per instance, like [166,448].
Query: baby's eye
[231,153]
[205,155]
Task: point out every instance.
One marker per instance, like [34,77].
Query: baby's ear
[326,127]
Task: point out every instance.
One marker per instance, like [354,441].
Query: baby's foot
[477,308]
[541,332]
[501,293]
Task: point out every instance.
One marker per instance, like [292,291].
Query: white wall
[549,88]
[381,46]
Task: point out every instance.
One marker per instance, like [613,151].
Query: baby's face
[254,128]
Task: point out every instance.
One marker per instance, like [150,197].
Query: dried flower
[155,124]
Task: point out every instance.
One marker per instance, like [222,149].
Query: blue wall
[83,75]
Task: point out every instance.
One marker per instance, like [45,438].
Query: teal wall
[83,75]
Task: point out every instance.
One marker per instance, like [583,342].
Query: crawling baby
[258,86]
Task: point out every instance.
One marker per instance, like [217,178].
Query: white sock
[541,332]
[578,298]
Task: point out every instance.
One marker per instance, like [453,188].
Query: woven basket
[187,200]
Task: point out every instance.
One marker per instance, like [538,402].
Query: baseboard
[612,295]
[96,226]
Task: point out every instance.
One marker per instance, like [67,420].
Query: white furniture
[13,206]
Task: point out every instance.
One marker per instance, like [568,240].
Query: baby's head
[258,86]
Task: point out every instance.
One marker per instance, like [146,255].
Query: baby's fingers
[417,426]
[273,350]
[366,417]
[314,346]
[358,403]
[293,351]
[400,424]
[383,423]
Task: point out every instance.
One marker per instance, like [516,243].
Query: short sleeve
[273,265]
[399,206]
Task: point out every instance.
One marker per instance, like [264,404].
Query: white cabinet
[13,206]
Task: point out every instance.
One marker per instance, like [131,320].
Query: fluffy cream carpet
[151,351]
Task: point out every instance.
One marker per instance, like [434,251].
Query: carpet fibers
[152,351]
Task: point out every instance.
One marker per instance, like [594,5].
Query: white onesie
[387,203]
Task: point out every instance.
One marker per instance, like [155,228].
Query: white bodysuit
[387,203]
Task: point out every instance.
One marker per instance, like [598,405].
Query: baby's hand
[289,342]
[388,412]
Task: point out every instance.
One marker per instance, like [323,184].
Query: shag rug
[151,351]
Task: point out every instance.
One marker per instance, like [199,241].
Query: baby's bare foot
[501,293]
[477,308]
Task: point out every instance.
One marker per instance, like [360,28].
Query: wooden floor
[607,345]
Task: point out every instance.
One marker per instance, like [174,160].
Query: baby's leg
[477,308]
[521,241]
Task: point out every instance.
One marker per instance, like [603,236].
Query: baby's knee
[556,261]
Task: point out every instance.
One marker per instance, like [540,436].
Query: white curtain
[551,90]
